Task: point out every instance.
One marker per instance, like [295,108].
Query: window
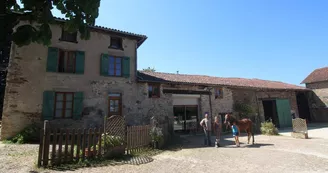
[153,90]
[115,66]
[114,104]
[64,105]
[116,43]
[66,63]
[218,93]
[67,36]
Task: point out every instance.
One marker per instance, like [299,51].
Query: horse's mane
[232,119]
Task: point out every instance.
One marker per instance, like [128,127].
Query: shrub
[268,128]
[156,134]
[111,141]
[30,134]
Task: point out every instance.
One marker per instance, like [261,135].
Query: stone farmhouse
[77,83]
[317,81]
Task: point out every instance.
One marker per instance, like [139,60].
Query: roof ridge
[222,77]
[317,75]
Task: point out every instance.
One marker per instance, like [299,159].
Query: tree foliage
[79,14]
[149,69]
[243,109]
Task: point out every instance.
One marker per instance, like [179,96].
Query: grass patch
[7,142]
[90,163]
[268,128]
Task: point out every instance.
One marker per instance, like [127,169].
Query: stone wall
[254,99]
[219,105]
[27,79]
[318,101]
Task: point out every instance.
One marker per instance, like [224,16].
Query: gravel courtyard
[269,154]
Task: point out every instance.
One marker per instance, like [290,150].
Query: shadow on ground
[126,159]
[197,141]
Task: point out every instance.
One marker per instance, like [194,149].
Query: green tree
[80,14]
[149,69]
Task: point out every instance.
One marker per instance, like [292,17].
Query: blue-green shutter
[48,105]
[79,62]
[78,105]
[126,67]
[104,65]
[52,60]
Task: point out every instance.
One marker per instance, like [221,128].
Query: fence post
[46,140]
[41,148]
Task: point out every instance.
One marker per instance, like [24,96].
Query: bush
[112,141]
[30,134]
[156,134]
[268,128]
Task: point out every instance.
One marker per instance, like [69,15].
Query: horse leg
[248,136]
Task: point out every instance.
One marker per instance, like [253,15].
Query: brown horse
[243,124]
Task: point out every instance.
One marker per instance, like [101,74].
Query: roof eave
[140,38]
[230,86]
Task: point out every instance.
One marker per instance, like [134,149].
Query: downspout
[136,62]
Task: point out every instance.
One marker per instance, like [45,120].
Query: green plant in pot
[156,135]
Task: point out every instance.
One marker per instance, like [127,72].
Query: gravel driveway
[269,154]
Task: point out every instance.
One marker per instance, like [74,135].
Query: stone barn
[188,97]
[317,81]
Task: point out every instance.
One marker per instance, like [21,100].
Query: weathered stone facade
[27,79]
[254,99]
[219,105]
[318,101]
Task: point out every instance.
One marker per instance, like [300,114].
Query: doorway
[303,106]
[185,118]
[278,111]
[270,111]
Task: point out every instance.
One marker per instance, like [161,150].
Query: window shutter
[104,65]
[79,62]
[78,105]
[126,67]
[48,105]
[52,60]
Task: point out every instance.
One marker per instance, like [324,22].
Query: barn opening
[279,111]
[270,111]
[303,106]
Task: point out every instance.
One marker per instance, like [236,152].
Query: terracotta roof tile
[318,75]
[210,80]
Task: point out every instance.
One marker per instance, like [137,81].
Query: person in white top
[206,124]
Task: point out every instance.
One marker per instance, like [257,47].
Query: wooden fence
[137,137]
[60,146]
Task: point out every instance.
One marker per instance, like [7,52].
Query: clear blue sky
[280,40]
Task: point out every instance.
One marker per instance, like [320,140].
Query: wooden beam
[176,91]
